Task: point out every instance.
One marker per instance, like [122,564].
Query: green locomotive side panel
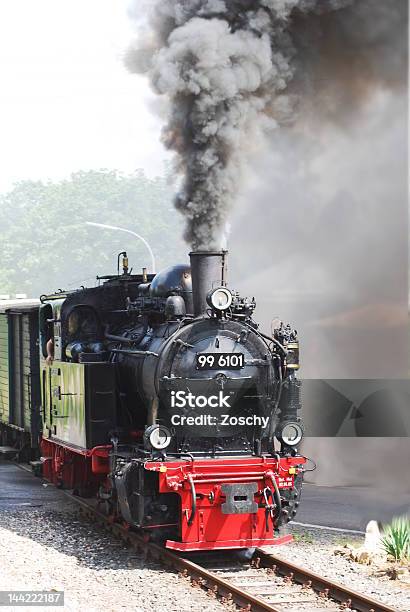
[63,402]
[78,402]
[72,404]
[4,369]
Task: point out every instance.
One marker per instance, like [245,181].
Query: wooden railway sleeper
[289,578]
[256,562]
[213,591]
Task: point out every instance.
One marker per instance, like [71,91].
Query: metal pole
[127,231]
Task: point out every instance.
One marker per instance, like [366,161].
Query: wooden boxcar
[20,398]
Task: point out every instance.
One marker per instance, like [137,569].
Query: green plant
[304,538]
[396,538]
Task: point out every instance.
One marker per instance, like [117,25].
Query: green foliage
[396,538]
[46,245]
[303,538]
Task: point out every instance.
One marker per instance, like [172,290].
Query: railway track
[264,583]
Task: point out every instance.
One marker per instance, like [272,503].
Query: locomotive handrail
[199,475]
[269,339]
[182,343]
[193,493]
[167,378]
[123,339]
[224,478]
[265,461]
[135,353]
[276,495]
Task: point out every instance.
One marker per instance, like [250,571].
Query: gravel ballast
[46,544]
[45,550]
[60,550]
[314,549]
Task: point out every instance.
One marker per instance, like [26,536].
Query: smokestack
[208,271]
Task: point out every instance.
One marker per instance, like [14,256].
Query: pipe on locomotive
[208,271]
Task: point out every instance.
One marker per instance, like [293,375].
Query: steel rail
[229,591]
[327,587]
[198,574]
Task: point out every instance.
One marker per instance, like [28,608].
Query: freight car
[20,416]
[161,397]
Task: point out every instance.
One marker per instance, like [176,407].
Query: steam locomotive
[159,396]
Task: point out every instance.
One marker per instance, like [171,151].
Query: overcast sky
[67,103]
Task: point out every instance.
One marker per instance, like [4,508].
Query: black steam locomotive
[161,397]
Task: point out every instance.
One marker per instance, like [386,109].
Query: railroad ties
[263,583]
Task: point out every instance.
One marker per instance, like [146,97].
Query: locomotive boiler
[161,397]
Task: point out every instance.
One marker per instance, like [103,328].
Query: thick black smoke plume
[232,70]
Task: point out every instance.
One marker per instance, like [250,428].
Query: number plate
[220,361]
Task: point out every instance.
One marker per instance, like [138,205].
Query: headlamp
[157,437]
[290,433]
[219,299]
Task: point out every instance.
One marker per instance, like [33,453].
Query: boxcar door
[16,369]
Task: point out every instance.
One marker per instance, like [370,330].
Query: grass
[396,538]
[303,538]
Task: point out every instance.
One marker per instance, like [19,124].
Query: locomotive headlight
[219,299]
[157,437]
[290,433]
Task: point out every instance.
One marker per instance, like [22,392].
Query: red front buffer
[222,502]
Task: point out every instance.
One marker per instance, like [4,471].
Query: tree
[46,244]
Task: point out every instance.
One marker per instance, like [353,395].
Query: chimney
[208,271]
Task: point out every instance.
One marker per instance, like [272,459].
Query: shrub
[396,538]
